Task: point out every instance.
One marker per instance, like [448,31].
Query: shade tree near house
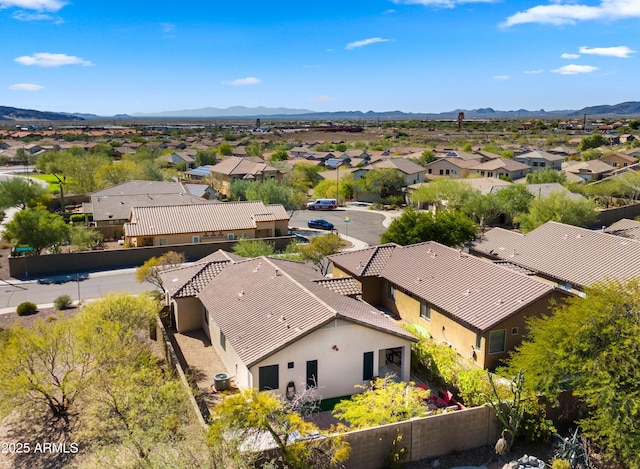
[546,176]
[250,418]
[383,181]
[18,192]
[443,193]
[589,346]
[451,228]
[558,206]
[37,228]
[319,248]
[152,268]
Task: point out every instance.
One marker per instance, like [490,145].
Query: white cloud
[570,56]
[534,72]
[622,52]
[25,87]
[439,3]
[365,42]
[38,5]
[574,69]
[243,81]
[168,28]
[501,77]
[46,59]
[322,99]
[562,13]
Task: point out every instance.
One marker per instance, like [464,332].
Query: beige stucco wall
[338,370]
[188,314]
[442,164]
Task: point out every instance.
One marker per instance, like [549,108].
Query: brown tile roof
[344,285]
[175,219]
[401,164]
[189,280]
[567,253]
[471,290]
[367,262]
[498,163]
[625,228]
[263,305]
[237,166]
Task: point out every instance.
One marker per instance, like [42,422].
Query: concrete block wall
[423,437]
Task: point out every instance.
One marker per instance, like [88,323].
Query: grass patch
[328,404]
[54,185]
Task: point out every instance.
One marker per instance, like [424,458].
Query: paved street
[364,225]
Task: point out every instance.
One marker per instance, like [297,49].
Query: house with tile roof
[478,308]
[625,228]
[587,171]
[235,168]
[110,208]
[566,256]
[450,166]
[500,167]
[619,160]
[207,222]
[279,325]
[538,159]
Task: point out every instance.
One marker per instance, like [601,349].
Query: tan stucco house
[198,223]
[476,307]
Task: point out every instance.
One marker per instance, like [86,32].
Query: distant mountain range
[627,109]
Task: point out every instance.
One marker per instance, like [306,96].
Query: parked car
[320,223]
[323,204]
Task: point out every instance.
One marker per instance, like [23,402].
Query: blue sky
[111,57]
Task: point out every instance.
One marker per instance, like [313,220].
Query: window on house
[268,377]
[497,341]
[195,239]
[391,292]
[223,341]
[367,368]
[514,331]
[163,241]
[447,172]
[535,163]
[490,174]
[231,236]
[290,365]
[425,310]
[625,165]
[441,172]
[478,341]
[429,171]
[543,164]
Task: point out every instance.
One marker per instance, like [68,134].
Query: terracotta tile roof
[567,253]
[367,262]
[471,290]
[174,219]
[344,285]
[625,228]
[263,305]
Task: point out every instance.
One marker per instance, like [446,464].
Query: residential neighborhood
[252,300]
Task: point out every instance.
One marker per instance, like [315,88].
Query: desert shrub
[26,308]
[62,302]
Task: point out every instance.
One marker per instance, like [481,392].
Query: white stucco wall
[338,370]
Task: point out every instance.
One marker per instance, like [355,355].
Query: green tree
[303,176]
[590,154]
[513,200]
[443,193]
[151,269]
[382,181]
[38,228]
[593,141]
[558,206]
[280,155]
[589,345]
[427,156]
[253,248]
[225,149]
[382,402]
[319,248]
[482,208]
[84,238]
[451,228]
[253,416]
[546,176]
[18,192]
[206,157]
